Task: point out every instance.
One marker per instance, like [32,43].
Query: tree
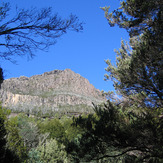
[30,30]
[52,152]
[28,131]
[130,128]
[2,134]
[34,156]
[14,140]
[138,74]
[6,155]
[54,128]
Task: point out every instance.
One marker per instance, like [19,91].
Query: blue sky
[83,52]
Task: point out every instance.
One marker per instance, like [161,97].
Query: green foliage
[113,134]
[54,128]
[138,73]
[52,152]
[136,16]
[14,140]
[137,77]
[2,133]
[6,155]
[34,156]
[28,131]
[32,140]
[71,131]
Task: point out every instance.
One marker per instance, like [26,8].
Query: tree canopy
[139,64]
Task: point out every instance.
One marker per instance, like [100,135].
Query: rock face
[52,91]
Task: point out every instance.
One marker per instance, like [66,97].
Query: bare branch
[31,30]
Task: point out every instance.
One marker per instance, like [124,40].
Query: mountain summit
[57,90]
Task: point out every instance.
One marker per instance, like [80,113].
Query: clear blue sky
[83,52]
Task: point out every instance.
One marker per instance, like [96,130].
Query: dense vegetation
[128,128]
[32,139]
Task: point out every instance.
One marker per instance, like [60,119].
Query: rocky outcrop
[52,91]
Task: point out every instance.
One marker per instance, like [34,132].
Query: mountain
[55,91]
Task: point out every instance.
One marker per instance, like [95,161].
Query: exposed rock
[52,91]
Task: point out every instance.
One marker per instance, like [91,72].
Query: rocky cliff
[63,91]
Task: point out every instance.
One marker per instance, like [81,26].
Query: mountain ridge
[57,90]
